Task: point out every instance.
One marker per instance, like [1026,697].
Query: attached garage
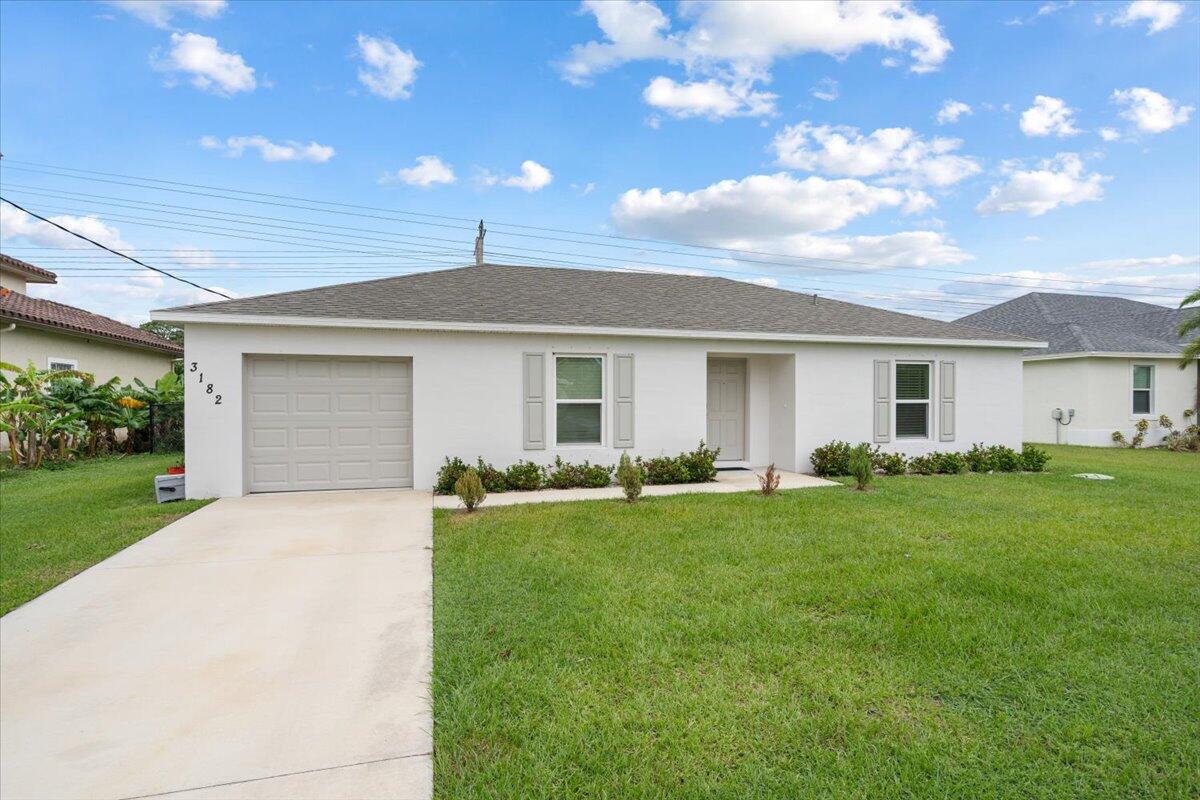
[327,423]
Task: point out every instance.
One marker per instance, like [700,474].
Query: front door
[727,407]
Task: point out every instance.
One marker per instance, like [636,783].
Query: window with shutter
[579,399]
[912,400]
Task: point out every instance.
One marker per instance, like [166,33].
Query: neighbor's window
[56,364]
[1143,389]
[579,399]
[912,401]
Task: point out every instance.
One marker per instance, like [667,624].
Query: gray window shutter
[534,401]
[883,401]
[947,400]
[623,400]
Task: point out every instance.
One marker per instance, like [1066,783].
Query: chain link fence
[165,428]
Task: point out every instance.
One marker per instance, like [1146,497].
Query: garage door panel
[328,423]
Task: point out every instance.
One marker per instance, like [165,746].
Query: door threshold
[732,465]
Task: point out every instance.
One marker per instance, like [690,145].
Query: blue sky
[927,157]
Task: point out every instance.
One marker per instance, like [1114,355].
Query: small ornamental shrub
[1033,458]
[1005,459]
[949,463]
[979,458]
[664,470]
[923,465]
[565,475]
[890,463]
[448,475]
[629,475]
[768,482]
[831,459]
[1139,437]
[523,476]
[700,464]
[469,489]
[493,479]
[1185,440]
[860,467]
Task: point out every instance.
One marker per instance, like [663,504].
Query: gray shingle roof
[523,295]
[1080,323]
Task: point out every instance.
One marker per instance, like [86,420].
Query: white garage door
[328,423]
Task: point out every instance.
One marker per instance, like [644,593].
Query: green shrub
[1033,459]
[831,459]
[523,476]
[565,475]
[663,470]
[890,463]
[493,479]
[949,463]
[629,475]
[701,464]
[469,489]
[923,465]
[448,475]
[1004,459]
[979,458]
[860,467]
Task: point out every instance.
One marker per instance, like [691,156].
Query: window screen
[1143,388]
[912,401]
[579,394]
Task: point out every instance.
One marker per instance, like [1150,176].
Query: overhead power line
[793,261]
[114,252]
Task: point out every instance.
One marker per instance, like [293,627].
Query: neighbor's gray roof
[522,295]
[1080,323]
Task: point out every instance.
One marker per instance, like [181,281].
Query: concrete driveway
[271,646]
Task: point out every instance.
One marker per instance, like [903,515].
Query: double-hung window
[912,400]
[579,399]
[59,364]
[1143,389]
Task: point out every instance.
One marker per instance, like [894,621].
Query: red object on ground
[174,470]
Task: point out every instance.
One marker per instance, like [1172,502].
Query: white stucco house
[1110,362]
[372,384]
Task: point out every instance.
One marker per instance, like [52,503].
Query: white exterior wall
[467,391]
[1100,389]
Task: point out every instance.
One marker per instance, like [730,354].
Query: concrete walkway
[271,646]
[727,481]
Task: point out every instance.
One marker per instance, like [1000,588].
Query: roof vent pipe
[479,245]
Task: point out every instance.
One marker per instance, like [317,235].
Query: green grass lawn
[57,523]
[957,636]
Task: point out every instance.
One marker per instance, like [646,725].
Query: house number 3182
[208,387]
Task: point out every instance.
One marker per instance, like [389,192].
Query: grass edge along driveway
[56,523]
[957,636]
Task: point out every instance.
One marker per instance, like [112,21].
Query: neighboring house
[372,384]
[57,336]
[1113,361]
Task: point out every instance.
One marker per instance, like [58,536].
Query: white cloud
[1153,262]
[826,89]
[736,44]
[1032,238]
[212,69]
[235,146]
[753,209]
[1058,181]
[897,154]
[389,72]
[160,12]
[1160,14]
[585,189]
[533,177]
[710,98]
[1109,134]
[1048,116]
[128,299]
[951,111]
[1150,111]
[16,224]
[429,170]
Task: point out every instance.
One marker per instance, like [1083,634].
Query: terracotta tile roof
[32,274]
[17,307]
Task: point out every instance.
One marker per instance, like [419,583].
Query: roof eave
[167,348]
[1101,354]
[196,317]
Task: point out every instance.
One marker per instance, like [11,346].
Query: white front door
[727,407]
